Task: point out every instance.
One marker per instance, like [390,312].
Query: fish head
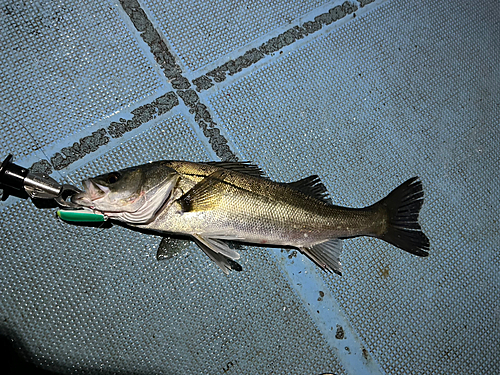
[132,195]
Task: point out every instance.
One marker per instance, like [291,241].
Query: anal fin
[326,255]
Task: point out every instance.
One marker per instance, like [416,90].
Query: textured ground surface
[364,94]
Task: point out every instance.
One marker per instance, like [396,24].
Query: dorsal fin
[239,166]
[313,187]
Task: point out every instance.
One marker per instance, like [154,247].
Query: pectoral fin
[219,252]
[326,255]
[203,195]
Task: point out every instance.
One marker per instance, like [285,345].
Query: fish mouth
[91,192]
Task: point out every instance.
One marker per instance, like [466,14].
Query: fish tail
[402,229]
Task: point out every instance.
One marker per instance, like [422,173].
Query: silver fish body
[215,202]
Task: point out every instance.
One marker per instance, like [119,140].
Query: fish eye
[113,177]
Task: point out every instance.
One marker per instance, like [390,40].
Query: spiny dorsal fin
[313,187]
[239,166]
[202,196]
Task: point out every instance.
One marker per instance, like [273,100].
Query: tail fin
[403,206]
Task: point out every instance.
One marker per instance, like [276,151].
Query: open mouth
[91,192]
[94,191]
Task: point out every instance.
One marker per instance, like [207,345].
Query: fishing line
[39,148]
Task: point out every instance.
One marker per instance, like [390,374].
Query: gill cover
[133,195]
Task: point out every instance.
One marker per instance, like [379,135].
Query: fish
[213,203]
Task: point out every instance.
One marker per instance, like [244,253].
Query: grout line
[182,85]
[290,36]
[101,136]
